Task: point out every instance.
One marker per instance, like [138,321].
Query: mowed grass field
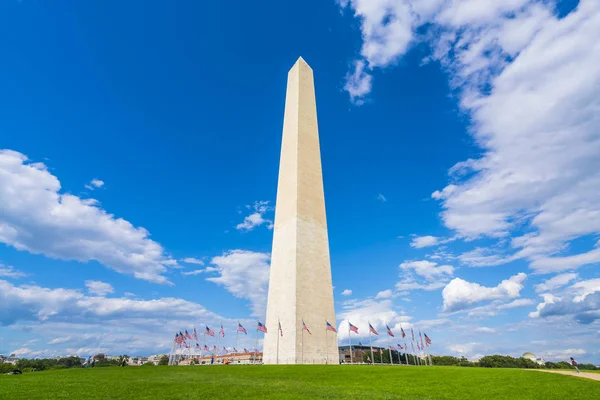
[295,382]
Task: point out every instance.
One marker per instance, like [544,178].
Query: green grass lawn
[295,382]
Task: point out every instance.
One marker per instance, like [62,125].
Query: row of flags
[373,331]
[181,338]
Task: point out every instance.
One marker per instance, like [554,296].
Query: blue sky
[459,145]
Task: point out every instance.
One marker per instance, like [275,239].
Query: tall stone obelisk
[300,287]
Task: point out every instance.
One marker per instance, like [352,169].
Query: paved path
[588,375]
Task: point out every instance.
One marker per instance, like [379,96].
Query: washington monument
[300,288]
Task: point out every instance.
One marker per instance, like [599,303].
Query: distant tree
[164,360]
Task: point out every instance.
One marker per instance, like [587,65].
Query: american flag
[206,348]
[421,340]
[194,335]
[176,340]
[402,330]
[241,328]
[221,331]
[412,333]
[400,346]
[305,328]
[181,337]
[392,348]
[280,330]
[353,328]
[331,328]
[235,350]
[372,330]
[427,340]
[224,350]
[187,335]
[209,332]
[215,349]
[187,346]
[389,331]
[197,346]
[418,347]
[246,351]
[261,327]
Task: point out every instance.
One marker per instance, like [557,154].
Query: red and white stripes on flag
[427,340]
[221,331]
[372,330]
[280,330]
[241,328]
[305,328]
[209,332]
[389,331]
[353,328]
[330,327]
[262,327]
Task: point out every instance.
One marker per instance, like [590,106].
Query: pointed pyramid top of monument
[301,61]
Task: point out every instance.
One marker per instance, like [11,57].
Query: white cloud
[428,269]
[378,313]
[485,329]
[346,292]
[529,82]
[358,83]
[10,272]
[99,288]
[384,294]
[94,184]
[423,275]
[555,282]
[60,340]
[580,300]
[256,218]
[460,294]
[246,275]
[191,260]
[197,271]
[424,241]
[381,198]
[38,304]
[557,264]
[37,218]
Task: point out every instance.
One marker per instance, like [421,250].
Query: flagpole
[203,344]
[256,346]
[219,338]
[278,333]
[302,340]
[371,345]
[350,341]
[237,332]
[390,349]
[326,346]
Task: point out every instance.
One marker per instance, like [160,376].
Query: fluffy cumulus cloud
[460,294]
[529,79]
[245,274]
[256,217]
[99,288]
[38,218]
[580,301]
[424,241]
[346,292]
[424,275]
